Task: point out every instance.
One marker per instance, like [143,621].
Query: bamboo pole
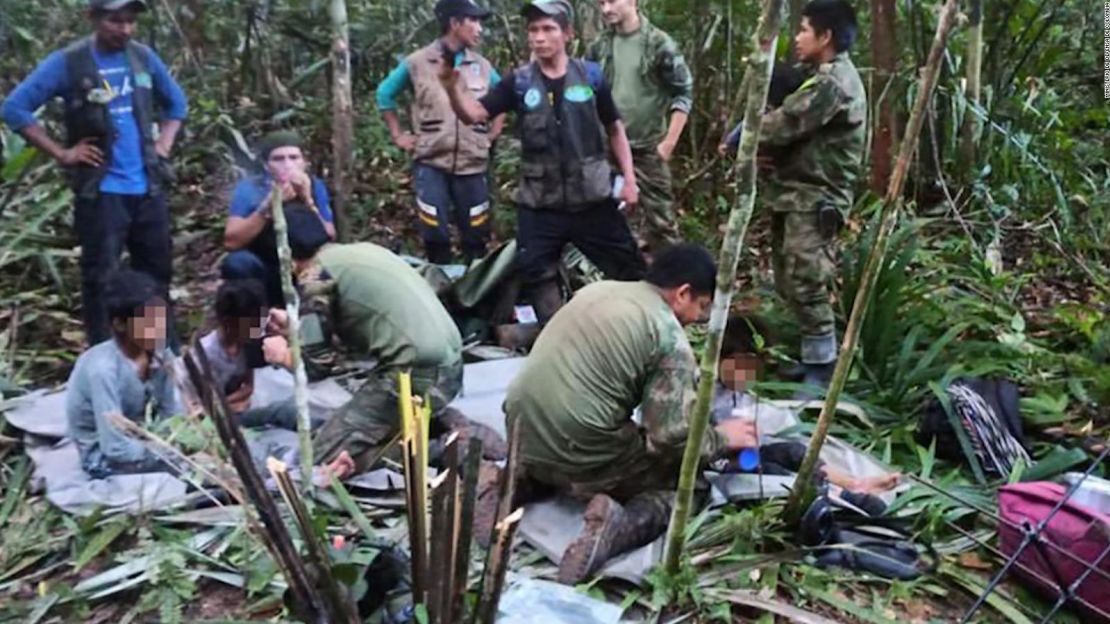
[292,311]
[761,63]
[343,127]
[892,205]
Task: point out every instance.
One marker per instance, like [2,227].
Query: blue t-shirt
[126,174]
[250,193]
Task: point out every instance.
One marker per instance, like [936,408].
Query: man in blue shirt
[114,159]
[249,233]
[451,158]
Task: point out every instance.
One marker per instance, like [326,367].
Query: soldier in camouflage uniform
[613,347]
[651,81]
[369,301]
[817,136]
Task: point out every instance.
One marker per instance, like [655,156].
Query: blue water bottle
[748,459]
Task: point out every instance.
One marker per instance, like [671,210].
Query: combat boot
[610,530]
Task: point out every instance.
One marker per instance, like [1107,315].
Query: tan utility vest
[442,140]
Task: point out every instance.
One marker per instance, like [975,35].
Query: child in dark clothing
[234,351]
[739,366]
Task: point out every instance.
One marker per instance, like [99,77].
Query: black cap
[551,8]
[460,8]
[306,231]
[276,139]
[116,5]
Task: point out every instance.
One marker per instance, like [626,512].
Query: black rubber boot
[817,376]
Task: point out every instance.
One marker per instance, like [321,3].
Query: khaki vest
[442,141]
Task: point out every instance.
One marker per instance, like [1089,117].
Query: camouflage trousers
[646,482]
[804,263]
[371,419]
[653,221]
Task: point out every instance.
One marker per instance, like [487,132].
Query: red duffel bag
[1080,529]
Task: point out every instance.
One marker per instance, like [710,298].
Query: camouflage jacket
[667,69]
[819,131]
[321,356]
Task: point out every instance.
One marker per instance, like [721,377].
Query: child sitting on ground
[125,376]
[738,367]
[234,351]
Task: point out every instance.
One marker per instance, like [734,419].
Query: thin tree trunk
[892,204]
[969,135]
[884,56]
[292,310]
[343,125]
[795,21]
[761,61]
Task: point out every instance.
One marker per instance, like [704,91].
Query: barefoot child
[739,366]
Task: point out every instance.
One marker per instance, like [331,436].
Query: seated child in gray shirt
[125,376]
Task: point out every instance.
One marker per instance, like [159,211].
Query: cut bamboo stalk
[466,527]
[414,448]
[304,592]
[292,312]
[339,609]
[440,547]
[496,567]
[508,475]
[447,533]
[892,207]
[762,62]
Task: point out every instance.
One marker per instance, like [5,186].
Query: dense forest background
[999,268]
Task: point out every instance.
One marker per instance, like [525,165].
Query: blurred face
[613,12]
[546,39]
[284,162]
[809,46]
[739,371]
[468,30]
[235,332]
[689,307]
[115,29]
[148,330]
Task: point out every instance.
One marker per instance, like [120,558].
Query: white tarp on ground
[549,526]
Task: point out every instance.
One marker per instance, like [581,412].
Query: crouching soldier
[367,299]
[614,347]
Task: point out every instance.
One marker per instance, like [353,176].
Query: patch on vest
[579,93]
[143,81]
[533,98]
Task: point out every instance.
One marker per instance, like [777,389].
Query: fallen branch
[339,608]
[303,591]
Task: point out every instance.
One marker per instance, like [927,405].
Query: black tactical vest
[563,165]
[88,117]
